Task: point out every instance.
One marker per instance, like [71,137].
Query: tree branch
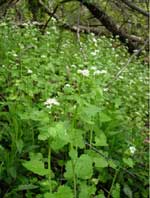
[131,41]
[135,7]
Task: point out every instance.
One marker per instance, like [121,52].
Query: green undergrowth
[69,127]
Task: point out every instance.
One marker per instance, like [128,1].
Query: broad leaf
[101,140]
[100,162]
[83,168]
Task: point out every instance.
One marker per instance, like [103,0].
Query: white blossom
[105,89]
[84,72]
[94,40]
[15,55]
[94,53]
[29,71]
[132,149]
[43,56]
[50,102]
[97,72]
[93,68]
[67,85]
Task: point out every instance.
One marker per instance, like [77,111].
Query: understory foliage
[69,128]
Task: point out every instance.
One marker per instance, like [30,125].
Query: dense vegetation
[68,127]
[73,111]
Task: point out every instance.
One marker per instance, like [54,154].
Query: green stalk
[74,180]
[91,136]
[113,182]
[49,166]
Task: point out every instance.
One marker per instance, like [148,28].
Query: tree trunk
[131,41]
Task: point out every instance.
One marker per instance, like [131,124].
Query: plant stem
[91,136]
[113,182]
[74,180]
[49,166]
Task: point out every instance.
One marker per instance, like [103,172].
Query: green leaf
[100,162]
[104,117]
[69,170]
[76,138]
[116,191]
[88,113]
[101,140]
[86,191]
[19,144]
[127,190]
[129,162]
[63,191]
[36,165]
[83,168]
[27,187]
[73,154]
[91,110]
[58,133]
[100,194]
[112,163]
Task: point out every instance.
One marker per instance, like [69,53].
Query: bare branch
[135,7]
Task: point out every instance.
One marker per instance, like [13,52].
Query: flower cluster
[50,102]
[98,72]
[132,149]
[29,71]
[84,72]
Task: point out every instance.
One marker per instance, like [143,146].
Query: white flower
[132,149]
[29,71]
[94,40]
[15,55]
[67,85]
[93,68]
[93,53]
[43,56]
[84,72]
[97,72]
[120,77]
[50,102]
[105,89]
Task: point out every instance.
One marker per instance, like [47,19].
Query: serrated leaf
[101,140]
[83,168]
[100,162]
